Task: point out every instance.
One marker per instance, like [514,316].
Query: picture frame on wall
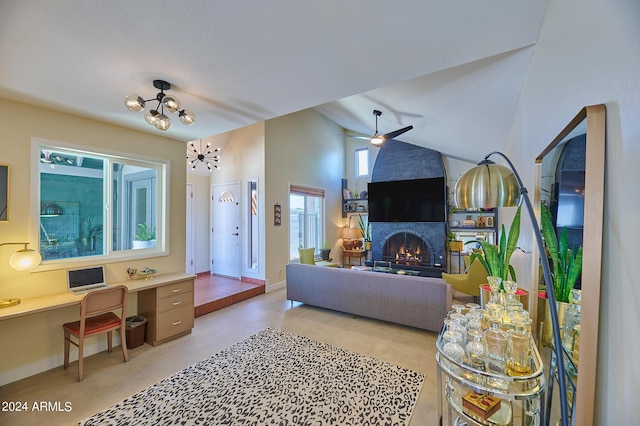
[4,192]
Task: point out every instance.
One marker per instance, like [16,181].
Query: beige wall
[243,158]
[588,53]
[302,148]
[36,341]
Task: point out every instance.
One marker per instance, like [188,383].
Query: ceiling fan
[378,139]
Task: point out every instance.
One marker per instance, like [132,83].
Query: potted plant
[145,237]
[566,264]
[325,250]
[454,243]
[496,258]
[365,231]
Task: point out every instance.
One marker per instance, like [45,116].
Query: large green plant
[566,264]
[496,258]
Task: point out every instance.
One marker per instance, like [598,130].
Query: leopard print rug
[275,378]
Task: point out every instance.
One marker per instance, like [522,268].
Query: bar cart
[520,398]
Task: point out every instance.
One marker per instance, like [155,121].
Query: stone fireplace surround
[398,160]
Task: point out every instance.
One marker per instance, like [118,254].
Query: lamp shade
[349,233]
[25,259]
[487,185]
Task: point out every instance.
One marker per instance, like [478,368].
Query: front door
[225,232]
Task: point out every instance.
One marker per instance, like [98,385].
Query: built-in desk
[151,292]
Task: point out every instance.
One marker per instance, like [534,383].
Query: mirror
[558,169]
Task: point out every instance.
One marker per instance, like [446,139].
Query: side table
[347,255]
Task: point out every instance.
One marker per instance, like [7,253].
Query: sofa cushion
[307,255]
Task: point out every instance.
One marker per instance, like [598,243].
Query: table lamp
[21,260]
[490,185]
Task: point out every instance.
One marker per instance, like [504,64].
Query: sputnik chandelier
[156,117]
[205,156]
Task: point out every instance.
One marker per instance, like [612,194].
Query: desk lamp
[21,260]
[490,185]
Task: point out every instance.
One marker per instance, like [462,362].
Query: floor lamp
[491,185]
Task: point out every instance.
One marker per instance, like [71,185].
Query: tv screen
[416,200]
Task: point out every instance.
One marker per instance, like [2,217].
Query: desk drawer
[174,321]
[176,301]
[175,288]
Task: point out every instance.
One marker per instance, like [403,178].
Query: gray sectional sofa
[420,302]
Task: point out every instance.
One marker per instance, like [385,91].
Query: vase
[368,245]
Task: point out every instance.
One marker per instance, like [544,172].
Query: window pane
[362,162]
[134,206]
[71,204]
[306,221]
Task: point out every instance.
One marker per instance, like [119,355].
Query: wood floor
[213,292]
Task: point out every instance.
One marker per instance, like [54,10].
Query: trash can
[135,328]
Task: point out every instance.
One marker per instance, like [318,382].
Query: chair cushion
[307,255]
[97,324]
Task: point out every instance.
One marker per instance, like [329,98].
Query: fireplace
[406,248]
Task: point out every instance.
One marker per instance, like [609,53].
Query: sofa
[420,302]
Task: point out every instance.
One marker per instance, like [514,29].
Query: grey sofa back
[414,301]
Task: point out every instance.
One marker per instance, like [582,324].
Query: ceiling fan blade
[398,132]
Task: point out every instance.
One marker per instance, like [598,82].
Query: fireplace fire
[405,248]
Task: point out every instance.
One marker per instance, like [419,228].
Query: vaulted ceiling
[452,69]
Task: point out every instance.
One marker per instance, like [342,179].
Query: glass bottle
[475,349]
[519,347]
[494,285]
[571,319]
[495,341]
[453,346]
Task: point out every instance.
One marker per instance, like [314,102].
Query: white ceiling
[453,69]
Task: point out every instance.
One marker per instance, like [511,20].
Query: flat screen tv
[416,200]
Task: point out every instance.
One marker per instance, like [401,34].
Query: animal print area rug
[275,378]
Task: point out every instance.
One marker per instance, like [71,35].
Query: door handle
[235,233]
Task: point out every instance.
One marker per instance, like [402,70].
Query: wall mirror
[570,179]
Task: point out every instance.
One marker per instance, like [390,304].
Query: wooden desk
[348,254]
[61,300]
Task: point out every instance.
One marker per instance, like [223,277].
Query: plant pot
[368,245]
[324,254]
[547,327]
[455,246]
[137,244]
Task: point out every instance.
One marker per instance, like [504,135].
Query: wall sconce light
[21,260]
[156,117]
[205,156]
[492,185]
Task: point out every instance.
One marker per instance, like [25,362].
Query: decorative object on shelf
[131,272]
[364,195]
[277,214]
[204,155]
[455,245]
[492,185]
[482,221]
[469,222]
[148,273]
[481,405]
[495,259]
[156,117]
[378,139]
[489,222]
[21,260]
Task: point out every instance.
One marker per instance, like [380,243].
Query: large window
[306,219]
[94,204]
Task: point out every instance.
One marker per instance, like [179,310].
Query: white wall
[588,53]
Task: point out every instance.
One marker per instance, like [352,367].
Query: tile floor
[109,380]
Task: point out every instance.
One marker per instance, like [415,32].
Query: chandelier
[156,117]
[205,156]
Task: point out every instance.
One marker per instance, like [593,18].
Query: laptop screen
[85,277]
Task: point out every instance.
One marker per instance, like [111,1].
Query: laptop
[82,280]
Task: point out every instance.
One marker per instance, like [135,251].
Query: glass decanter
[495,341]
[571,319]
[453,346]
[519,347]
[475,349]
[494,285]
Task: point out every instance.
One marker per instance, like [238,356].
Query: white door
[225,232]
[190,261]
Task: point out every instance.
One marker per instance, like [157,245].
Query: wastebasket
[135,328]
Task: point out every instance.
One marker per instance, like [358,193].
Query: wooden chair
[96,316]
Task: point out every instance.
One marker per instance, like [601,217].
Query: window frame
[109,157]
[358,162]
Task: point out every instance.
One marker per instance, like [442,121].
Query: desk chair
[96,316]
